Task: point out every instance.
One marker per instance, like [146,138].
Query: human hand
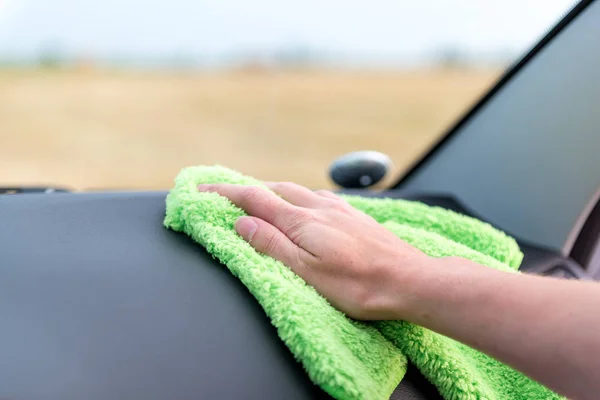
[359,266]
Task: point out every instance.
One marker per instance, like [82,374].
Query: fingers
[296,194]
[269,240]
[257,202]
[302,197]
[328,194]
[331,198]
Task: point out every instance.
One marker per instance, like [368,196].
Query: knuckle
[274,186]
[299,219]
[304,216]
[282,186]
[341,205]
[251,193]
[271,243]
[291,185]
[325,193]
[287,184]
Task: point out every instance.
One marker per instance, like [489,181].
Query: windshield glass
[122,94]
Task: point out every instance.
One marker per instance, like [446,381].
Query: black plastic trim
[588,240]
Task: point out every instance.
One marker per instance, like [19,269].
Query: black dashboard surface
[99,301]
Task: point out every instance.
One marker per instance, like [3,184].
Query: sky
[375,28]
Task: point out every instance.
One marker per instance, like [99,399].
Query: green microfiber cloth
[347,358]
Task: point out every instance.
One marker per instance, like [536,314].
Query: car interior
[99,301]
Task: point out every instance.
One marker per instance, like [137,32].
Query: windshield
[122,94]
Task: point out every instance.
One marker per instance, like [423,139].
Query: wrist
[408,284]
[446,286]
[425,287]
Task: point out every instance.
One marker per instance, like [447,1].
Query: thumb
[269,240]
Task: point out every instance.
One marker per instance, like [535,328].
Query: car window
[122,94]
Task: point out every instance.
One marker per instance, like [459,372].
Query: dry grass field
[104,129]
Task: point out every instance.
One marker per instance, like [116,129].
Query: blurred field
[100,129]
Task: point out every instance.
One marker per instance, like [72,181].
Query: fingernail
[246,227]
[204,188]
